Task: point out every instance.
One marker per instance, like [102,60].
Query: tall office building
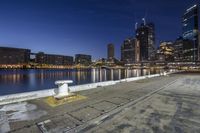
[50,59]
[190,29]
[146,36]
[182,49]
[130,51]
[83,59]
[151,41]
[111,51]
[14,56]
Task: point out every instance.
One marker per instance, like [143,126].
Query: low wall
[90,86]
[19,97]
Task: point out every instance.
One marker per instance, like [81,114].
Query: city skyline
[68,28]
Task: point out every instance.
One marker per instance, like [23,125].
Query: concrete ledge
[90,86]
[19,97]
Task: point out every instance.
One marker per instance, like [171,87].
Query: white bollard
[164,73]
[63,89]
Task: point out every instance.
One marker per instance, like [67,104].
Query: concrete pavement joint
[98,120]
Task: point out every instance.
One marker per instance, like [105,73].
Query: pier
[165,103]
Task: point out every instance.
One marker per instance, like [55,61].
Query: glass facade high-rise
[182,49]
[146,35]
[151,41]
[190,30]
[130,51]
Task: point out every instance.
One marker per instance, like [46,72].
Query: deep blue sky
[84,26]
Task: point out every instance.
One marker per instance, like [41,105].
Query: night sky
[69,27]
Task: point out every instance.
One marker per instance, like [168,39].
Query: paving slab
[58,124]
[85,114]
[104,106]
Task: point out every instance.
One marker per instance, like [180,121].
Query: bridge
[174,64]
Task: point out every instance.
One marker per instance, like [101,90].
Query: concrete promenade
[166,104]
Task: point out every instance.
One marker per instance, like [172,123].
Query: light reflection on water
[16,81]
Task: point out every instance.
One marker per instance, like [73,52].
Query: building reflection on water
[15,81]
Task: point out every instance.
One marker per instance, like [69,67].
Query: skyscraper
[111,51]
[190,29]
[146,36]
[151,41]
[130,51]
[182,49]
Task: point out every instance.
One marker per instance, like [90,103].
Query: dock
[164,104]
